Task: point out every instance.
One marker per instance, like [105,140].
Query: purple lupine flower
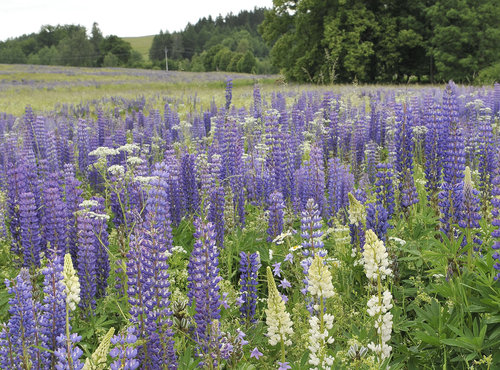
[101,245]
[486,159]
[203,284]
[123,351]
[433,159]
[135,289]
[384,188]
[82,142]
[233,164]
[377,220]
[451,195]
[371,161]
[16,185]
[216,214]
[189,185]
[495,234]
[276,213]
[30,230]
[86,261]
[55,219]
[470,209]
[257,102]
[310,181]
[68,354]
[72,197]
[311,233]
[172,174]
[289,258]
[20,335]
[156,245]
[229,93]
[404,157]
[340,184]
[53,310]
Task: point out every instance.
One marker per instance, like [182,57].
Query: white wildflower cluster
[104,151]
[134,161]
[399,241]
[116,170]
[129,148]
[87,204]
[178,249]
[145,180]
[357,211]
[321,287]
[71,283]
[375,258]
[281,237]
[318,341]
[277,319]
[379,308]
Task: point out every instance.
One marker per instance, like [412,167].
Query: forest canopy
[327,41]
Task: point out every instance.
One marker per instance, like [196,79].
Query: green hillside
[142,44]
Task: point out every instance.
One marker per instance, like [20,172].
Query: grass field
[142,44]
[45,87]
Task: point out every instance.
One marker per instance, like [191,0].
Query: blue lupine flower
[203,284]
[276,213]
[249,267]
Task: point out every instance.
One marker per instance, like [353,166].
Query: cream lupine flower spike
[277,319]
[320,279]
[71,283]
[100,355]
[321,287]
[357,211]
[375,257]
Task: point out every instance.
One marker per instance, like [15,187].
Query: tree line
[326,41]
[231,43]
[71,46]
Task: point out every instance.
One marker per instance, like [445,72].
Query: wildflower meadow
[267,227]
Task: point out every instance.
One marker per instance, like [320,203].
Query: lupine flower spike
[277,319]
[379,305]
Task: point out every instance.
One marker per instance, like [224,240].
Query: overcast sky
[124,18]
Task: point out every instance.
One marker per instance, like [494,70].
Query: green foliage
[68,45]
[325,41]
[231,44]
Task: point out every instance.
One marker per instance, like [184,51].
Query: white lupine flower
[375,257]
[320,279]
[376,268]
[277,319]
[71,283]
[104,151]
[99,358]
[116,170]
[357,211]
[318,341]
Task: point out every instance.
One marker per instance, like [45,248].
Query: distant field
[142,44]
[44,87]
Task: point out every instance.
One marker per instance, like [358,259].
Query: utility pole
[166,59]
